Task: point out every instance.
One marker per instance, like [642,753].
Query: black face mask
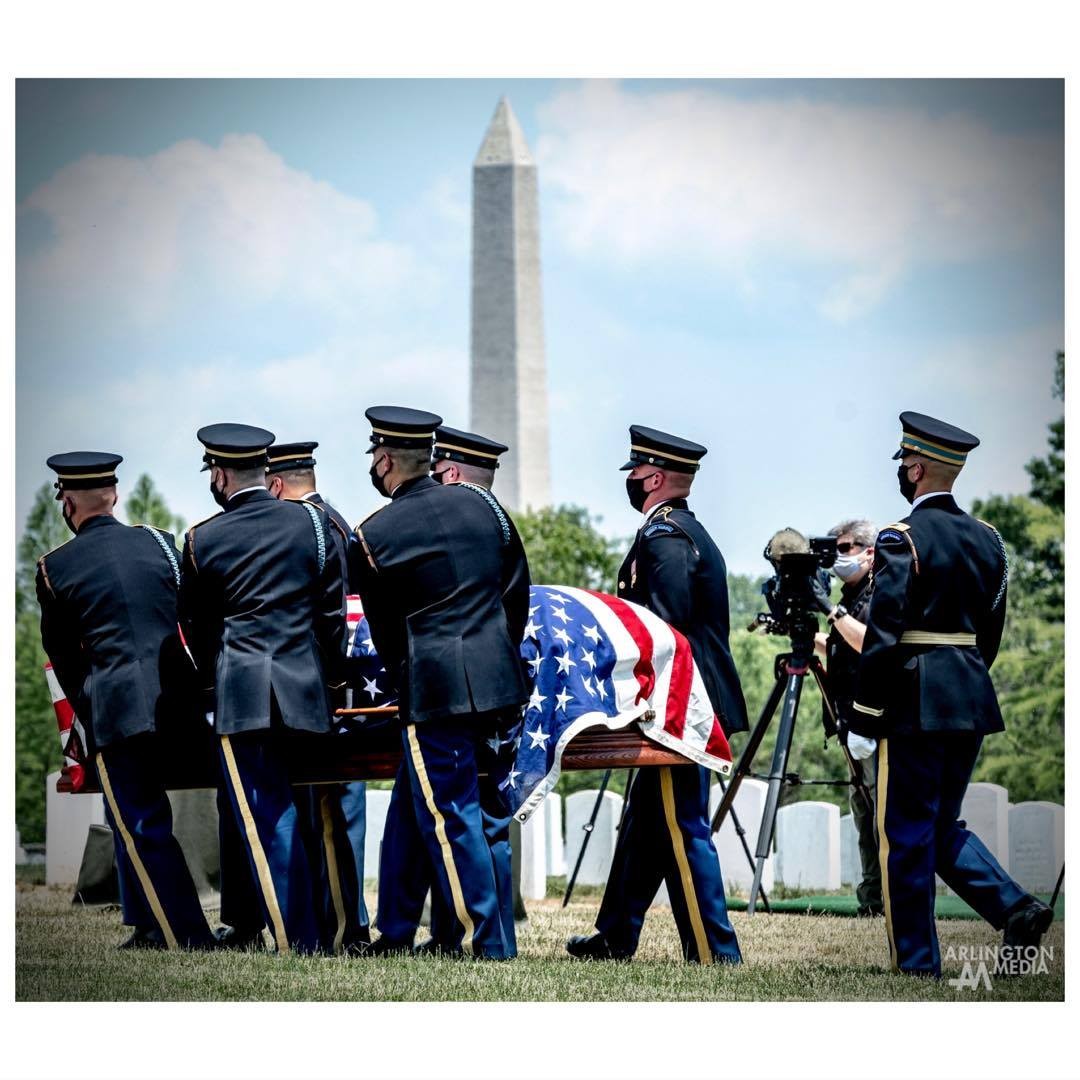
[377,481]
[438,477]
[218,496]
[68,521]
[635,492]
[907,487]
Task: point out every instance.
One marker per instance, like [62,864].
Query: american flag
[72,736]
[592,660]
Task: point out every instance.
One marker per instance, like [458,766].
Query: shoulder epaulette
[192,528]
[45,574]
[364,521]
[899,532]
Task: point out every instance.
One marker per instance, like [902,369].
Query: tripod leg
[588,827]
[854,773]
[746,758]
[777,772]
[741,833]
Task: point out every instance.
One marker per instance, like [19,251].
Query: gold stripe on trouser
[136,860]
[266,879]
[678,845]
[440,832]
[883,842]
[332,868]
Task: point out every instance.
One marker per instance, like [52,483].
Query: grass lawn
[65,953]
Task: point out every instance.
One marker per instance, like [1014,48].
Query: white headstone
[534,855]
[1036,844]
[598,855]
[21,858]
[748,807]
[67,822]
[195,826]
[378,802]
[662,898]
[850,862]
[556,852]
[808,845]
[986,810]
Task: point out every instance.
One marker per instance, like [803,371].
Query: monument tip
[504,143]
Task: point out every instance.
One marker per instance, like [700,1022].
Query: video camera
[789,593]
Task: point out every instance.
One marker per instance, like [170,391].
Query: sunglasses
[847,547]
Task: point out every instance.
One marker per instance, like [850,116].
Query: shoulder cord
[320,536]
[167,548]
[496,509]
[1004,568]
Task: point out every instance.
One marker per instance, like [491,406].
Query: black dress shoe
[1024,928]
[595,947]
[144,939]
[231,937]
[383,946]
[431,947]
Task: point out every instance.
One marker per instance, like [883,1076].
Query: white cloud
[641,176]
[135,237]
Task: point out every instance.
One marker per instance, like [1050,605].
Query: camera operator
[841,648]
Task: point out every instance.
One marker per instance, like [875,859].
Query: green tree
[565,548]
[44,530]
[37,745]
[146,506]
[1048,473]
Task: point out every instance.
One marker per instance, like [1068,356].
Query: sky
[774,268]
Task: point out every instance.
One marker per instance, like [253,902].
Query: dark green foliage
[146,506]
[1048,473]
[565,548]
[44,530]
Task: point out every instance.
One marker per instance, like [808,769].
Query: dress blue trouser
[156,890]
[665,836]
[354,808]
[435,834]
[920,786]
[256,780]
[338,890]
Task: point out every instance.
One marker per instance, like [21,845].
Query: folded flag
[72,736]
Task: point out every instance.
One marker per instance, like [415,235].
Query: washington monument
[508,388]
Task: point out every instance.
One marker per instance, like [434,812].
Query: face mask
[846,566]
[67,521]
[635,492]
[218,495]
[907,487]
[438,477]
[376,480]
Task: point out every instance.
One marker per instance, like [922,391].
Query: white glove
[859,747]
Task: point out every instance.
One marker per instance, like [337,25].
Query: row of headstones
[816,847]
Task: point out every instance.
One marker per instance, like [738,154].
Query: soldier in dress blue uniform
[263,608]
[109,625]
[337,813]
[924,694]
[464,457]
[675,570]
[445,588]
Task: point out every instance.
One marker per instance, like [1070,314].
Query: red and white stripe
[656,674]
[72,738]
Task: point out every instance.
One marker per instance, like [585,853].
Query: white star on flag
[494,742]
[556,596]
[560,613]
[530,630]
[371,687]
[589,658]
[565,663]
[563,636]
[533,610]
[588,686]
[534,664]
[509,781]
[539,738]
[369,645]
[536,699]
[600,690]
[562,697]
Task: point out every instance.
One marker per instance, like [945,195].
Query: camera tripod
[791,670]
